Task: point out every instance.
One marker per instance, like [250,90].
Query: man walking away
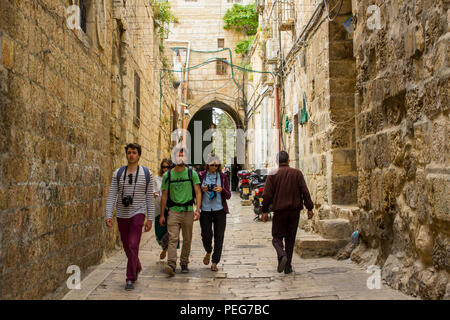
[180,190]
[132,191]
[286,191]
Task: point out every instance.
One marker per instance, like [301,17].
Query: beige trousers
[183,220]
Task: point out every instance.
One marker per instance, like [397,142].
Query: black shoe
[129,285]
[282,264]
[184,268]
[288,269]
[170,270]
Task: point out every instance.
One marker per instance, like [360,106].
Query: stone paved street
[247,271]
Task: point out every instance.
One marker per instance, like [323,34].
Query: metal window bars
[285,15]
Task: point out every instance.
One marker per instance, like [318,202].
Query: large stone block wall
[138,51]
[312,80]
[323,71]
[63,129]
[341,64]
[402,138]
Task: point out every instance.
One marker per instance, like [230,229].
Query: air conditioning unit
[272,51]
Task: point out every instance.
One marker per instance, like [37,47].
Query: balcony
[286,15]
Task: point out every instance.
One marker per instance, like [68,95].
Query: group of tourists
[172,196]
[179,196]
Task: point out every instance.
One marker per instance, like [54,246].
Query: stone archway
[236,115]
[204,114]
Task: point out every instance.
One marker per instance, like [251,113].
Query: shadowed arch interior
[204,114]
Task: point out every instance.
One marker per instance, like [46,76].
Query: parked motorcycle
[258,181]
[257,177]
[244,184]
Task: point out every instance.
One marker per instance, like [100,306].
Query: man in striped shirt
[132,190]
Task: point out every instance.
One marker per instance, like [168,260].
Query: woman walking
[162,236]
[215,193]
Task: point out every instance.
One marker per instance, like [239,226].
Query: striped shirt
[142,203]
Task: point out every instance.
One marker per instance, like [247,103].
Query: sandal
[214,267]
[163,254]
[206,259]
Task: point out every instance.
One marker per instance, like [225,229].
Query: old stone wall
[321,72]
[402,138]
[309,78]
[66,113]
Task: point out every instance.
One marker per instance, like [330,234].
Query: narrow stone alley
[355,92]
[247,271]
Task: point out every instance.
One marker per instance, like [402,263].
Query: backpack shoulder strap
[192,183]
[147,178]
[168,177]
[119,175]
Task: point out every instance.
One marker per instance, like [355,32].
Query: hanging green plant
[243,47]
[242,19]
[163,16]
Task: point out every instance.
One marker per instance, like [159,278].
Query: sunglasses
[214,165]
[130,179]
[165,167]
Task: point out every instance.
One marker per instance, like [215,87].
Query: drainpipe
[277,115]
[185,88]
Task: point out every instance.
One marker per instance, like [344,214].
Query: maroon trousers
[284,226]
[130,233]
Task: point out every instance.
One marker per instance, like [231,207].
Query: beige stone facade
[374,150]
[200,27]
[68,106]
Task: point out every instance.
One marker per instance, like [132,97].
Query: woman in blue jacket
[215,193]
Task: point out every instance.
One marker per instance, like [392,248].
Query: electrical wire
[210,60]
[337,13]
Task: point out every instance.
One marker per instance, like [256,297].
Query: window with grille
[221,67]
[220,43]
[137,96]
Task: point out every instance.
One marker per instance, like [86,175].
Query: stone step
[335,229]
[347,212]
[308,245]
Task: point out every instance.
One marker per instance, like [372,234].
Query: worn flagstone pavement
[247,271]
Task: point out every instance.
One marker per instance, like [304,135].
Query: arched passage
[200,122]
[223,106]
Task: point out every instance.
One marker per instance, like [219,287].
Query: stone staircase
[329,232]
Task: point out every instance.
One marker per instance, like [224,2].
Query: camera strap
[135,180]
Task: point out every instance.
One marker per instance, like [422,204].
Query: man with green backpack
[180,190]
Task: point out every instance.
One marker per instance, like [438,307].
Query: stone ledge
[335,229]
[309,245]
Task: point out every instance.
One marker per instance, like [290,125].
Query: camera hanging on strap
[128,200]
